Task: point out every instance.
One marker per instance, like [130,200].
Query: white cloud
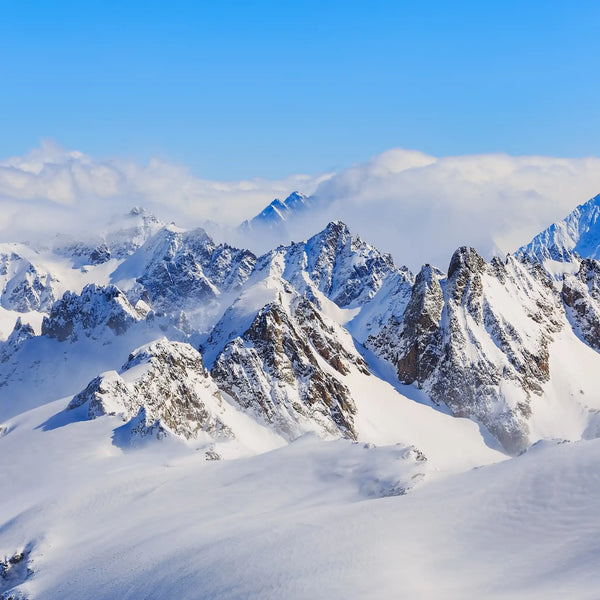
[418,207]
[54,189]
[422,208]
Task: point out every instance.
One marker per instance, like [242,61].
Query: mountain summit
[277,212]
[576,236]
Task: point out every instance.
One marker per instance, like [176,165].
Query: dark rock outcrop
[90,313]
[459,342]
[163,388]
[273,370]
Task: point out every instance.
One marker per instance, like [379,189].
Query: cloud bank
[54,190]
[418,207]
[421,208]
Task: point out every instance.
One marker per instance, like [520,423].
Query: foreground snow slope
[313,519]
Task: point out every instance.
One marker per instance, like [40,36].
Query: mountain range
[137,357]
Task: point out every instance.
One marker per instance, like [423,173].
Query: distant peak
[278,211]
[146,215]
[137,210]
[337,227]
[295,197]
[465,257]
[577,235]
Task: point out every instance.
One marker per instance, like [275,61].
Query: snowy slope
[314,519]
[478,341]
[276,213]
[489,340]
[364,416]
[577,235]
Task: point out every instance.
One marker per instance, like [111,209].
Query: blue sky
[243,89]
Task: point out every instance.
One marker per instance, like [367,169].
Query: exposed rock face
[83,253]
[413,341]
[581,295]
[23,287]
[163,388]
[458,340]
[476,380]
[228,268]
[183,269]
[90,313]
[325,340]
[273,370]
[21,332]
[346,269]
[173,276]
[477,339]
[14,571]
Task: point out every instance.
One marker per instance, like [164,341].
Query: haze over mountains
[133,361]
[455,200]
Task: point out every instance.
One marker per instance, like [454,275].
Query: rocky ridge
[277,370]
[93,312]
[276,339]
[162,389]
[24,287]
[576,236]
[581,296]
[459,341]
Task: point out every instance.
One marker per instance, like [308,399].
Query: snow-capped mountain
[27,285]
[282,332]
[161,389]
[577,235]
[487,341]
[123,235]
[279,211]
[152,340]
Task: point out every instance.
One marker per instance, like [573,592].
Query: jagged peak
[465,257]
[275,205]
[426,273]
[162,388]
[575,236]
[296,201]
[136,213]
[330,235]
[296,195]
[143,213]
[21,331]
[137,210]
[96,307]
[337,226]
[277,211]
